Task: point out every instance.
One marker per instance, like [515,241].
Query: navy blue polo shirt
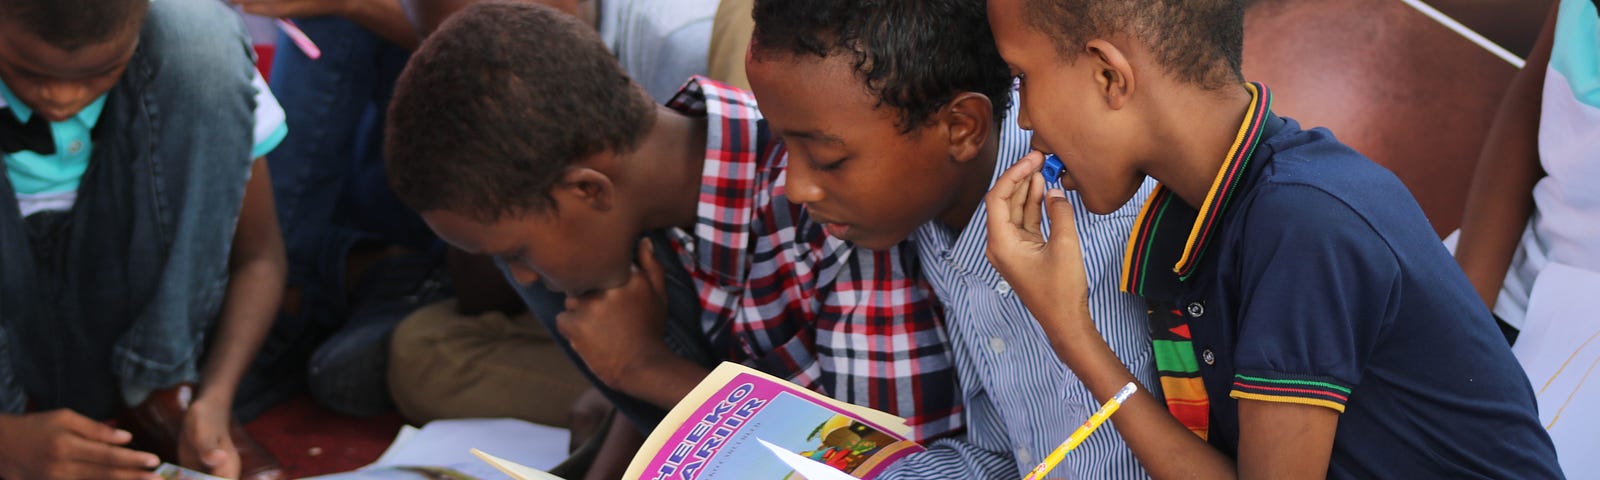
[1311,276]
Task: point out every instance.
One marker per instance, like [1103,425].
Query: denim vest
[140,266]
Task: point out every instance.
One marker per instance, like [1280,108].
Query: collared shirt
[1021,401]
[1310,276]
[782,296]
[50,182]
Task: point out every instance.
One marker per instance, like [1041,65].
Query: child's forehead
[22,49]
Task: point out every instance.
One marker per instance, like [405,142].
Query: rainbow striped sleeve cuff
[1286,388]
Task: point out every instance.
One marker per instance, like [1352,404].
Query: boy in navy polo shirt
[1306,320]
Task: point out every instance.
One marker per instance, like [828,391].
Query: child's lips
[837,230]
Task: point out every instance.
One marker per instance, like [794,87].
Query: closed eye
[830,166]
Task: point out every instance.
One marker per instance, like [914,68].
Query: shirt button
[1196,309]
[1003,288]
[1024,457]
[997,345]
[1210,358]
[75,147]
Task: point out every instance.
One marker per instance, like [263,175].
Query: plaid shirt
[781,296]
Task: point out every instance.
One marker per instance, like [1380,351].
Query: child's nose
[801,186]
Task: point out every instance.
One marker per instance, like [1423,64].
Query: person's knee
[199,47]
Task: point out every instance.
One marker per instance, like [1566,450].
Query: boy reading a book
[1308,322]
[895,114]
[140,261]
[515,133]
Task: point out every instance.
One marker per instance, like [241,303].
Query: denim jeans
[113,299]
[332,195]
[685,336]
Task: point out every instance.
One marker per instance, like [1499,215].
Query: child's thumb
[1058,210]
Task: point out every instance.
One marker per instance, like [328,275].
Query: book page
[513,469]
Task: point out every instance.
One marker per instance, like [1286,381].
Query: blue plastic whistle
[1052,168]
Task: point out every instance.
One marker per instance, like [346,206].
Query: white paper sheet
[450,442]
[516,471]
[808,468]
[1559,347]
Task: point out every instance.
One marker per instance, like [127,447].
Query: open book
[718,431]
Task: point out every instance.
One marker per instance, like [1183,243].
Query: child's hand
[64,444]
[1047,275]
[619,330]
[205,445]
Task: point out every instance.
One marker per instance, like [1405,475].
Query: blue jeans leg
[328,181]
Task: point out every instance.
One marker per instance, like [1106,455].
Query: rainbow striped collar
[1157,233]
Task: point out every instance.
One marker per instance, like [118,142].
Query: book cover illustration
[719,438]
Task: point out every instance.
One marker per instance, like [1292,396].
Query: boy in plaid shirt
[514,132]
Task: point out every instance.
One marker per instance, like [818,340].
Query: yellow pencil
[1088,427]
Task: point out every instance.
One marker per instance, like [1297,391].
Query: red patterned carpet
[311,440]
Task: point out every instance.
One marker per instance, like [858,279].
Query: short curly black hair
[1198,41]
[914,55]
[498,103]
[73,24]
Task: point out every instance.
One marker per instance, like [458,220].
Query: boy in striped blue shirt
[896,119]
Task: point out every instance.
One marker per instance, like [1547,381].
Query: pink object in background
[300,39]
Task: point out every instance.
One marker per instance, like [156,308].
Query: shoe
[158,421]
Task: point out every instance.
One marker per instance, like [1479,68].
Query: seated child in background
[359,260]
[1533,201]
[1319,328]
[515,133]
[895,115]
[140,261]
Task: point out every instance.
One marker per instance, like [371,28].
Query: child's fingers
[1012,182]
[91,452]
[1031,209]
[1063,226]
[88,428]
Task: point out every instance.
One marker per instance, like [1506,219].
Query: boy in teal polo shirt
[1307,323]
[140,263]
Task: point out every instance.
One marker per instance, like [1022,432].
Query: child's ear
[1113,75]
[969,120]
[585,186]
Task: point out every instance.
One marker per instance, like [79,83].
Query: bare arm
[257,270]
[1501,197]
[1285,440]
[1276,440]
[1163,445]
[426,15]
[383,17]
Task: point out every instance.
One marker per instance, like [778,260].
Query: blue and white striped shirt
[1021,401]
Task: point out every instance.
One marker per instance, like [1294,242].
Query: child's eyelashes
[829,166]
